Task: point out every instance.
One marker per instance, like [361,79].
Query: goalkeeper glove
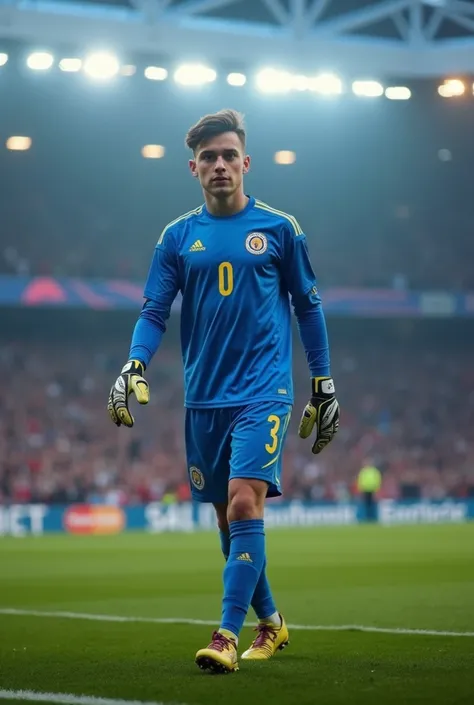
[130,381]
[321,411]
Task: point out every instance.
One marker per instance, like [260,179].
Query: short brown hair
[216,124]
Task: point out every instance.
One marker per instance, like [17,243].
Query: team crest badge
[256,243]
[197,478]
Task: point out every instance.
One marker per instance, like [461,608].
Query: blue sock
[225,543]
[242,571]
[262,600]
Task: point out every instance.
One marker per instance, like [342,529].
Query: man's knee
[246,499]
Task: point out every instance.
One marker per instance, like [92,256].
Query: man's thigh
[207,433]
[258,436]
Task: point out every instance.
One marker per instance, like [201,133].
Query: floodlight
[236,79]
[452,88]
[18,143]
[326,84]
[40,61]
[153,151]
[398,93]
[285,157]
[156,73]
[101,65]
[194,75]
[367,89]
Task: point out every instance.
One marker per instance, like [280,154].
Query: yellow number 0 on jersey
[226,278]
[271,447]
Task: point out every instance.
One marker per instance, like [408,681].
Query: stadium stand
[405,391]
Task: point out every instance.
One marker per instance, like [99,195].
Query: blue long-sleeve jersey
[238,276]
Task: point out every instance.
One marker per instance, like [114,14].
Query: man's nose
[220,164]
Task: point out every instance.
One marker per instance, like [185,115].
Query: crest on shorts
[197,478]
[256,243]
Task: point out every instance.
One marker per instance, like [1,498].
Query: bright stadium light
[300,82]
[367,89]
[194,75]
[3,58]
[398,93]
[40,61]
[273,81]
[18,143]
[156,73]
[452,88]
[70,65]
[101,66]
[284,157]
[326,84]
[153,151]
[236,79]
[456,86]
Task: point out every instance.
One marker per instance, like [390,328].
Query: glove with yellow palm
[130,381]
[322,412]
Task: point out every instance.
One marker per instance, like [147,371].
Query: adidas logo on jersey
[197,247]
[245,557]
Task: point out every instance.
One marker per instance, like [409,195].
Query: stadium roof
[397,37]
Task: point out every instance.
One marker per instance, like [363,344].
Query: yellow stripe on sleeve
[290,218]
[196,211]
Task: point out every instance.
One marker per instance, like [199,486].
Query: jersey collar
[248,207]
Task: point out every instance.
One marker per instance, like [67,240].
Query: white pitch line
[68,698]
[211,623]
[106,617]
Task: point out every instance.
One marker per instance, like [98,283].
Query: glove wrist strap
[322,386]
[134,367]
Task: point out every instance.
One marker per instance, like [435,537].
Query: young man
[237,262]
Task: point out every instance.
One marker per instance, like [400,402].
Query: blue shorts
[243,441]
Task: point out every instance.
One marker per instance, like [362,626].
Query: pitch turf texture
[402,577]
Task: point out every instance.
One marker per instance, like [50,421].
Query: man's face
[220,164]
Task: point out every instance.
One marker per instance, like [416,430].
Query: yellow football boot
[220,656]
[268,641]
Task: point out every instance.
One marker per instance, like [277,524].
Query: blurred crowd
[400,248]
[411,412]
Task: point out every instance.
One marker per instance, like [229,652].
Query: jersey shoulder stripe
[185,216]
[290,218]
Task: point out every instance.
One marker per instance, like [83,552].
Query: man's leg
[262,600]
[247,548]
[247,551]
[257,434]
[241,573]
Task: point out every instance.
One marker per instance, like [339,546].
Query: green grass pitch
[418,577]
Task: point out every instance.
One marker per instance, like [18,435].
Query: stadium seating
[399,408]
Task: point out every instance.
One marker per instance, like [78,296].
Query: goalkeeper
[237,262]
